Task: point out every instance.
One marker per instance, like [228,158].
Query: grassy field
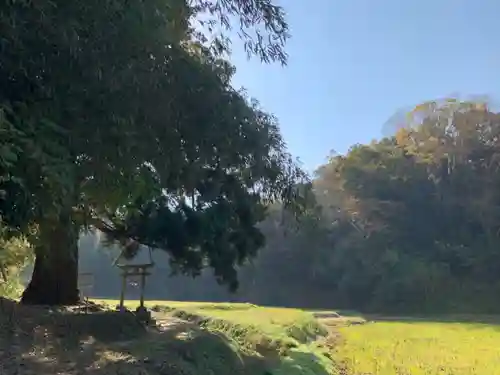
[273,341]
[453,346]
[193,338]
[421,348]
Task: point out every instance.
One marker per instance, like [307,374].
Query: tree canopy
[114,115]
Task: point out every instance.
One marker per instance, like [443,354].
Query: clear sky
[353,63]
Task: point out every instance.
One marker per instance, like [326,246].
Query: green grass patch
[277,323]
[287,340]
[421,348]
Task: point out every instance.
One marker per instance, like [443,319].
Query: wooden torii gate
[139,265]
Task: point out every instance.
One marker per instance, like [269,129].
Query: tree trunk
[54,280]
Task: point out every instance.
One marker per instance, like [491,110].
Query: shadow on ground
[36,340]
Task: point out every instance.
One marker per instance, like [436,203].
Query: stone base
[143,314]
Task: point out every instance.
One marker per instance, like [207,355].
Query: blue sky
[353,63]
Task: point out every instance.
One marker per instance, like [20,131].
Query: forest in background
[409,223]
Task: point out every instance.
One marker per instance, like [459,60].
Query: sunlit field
[268,319]
[290,341]
[421,348]
[408,347]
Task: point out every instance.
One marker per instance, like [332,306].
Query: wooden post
[124,286]
[143,285]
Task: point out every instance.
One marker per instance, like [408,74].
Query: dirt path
[36,340]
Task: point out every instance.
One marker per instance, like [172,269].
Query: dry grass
[421,348]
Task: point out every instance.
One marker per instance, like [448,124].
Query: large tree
[116,116]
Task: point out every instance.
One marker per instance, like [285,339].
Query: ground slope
[210,339]
[241,339]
